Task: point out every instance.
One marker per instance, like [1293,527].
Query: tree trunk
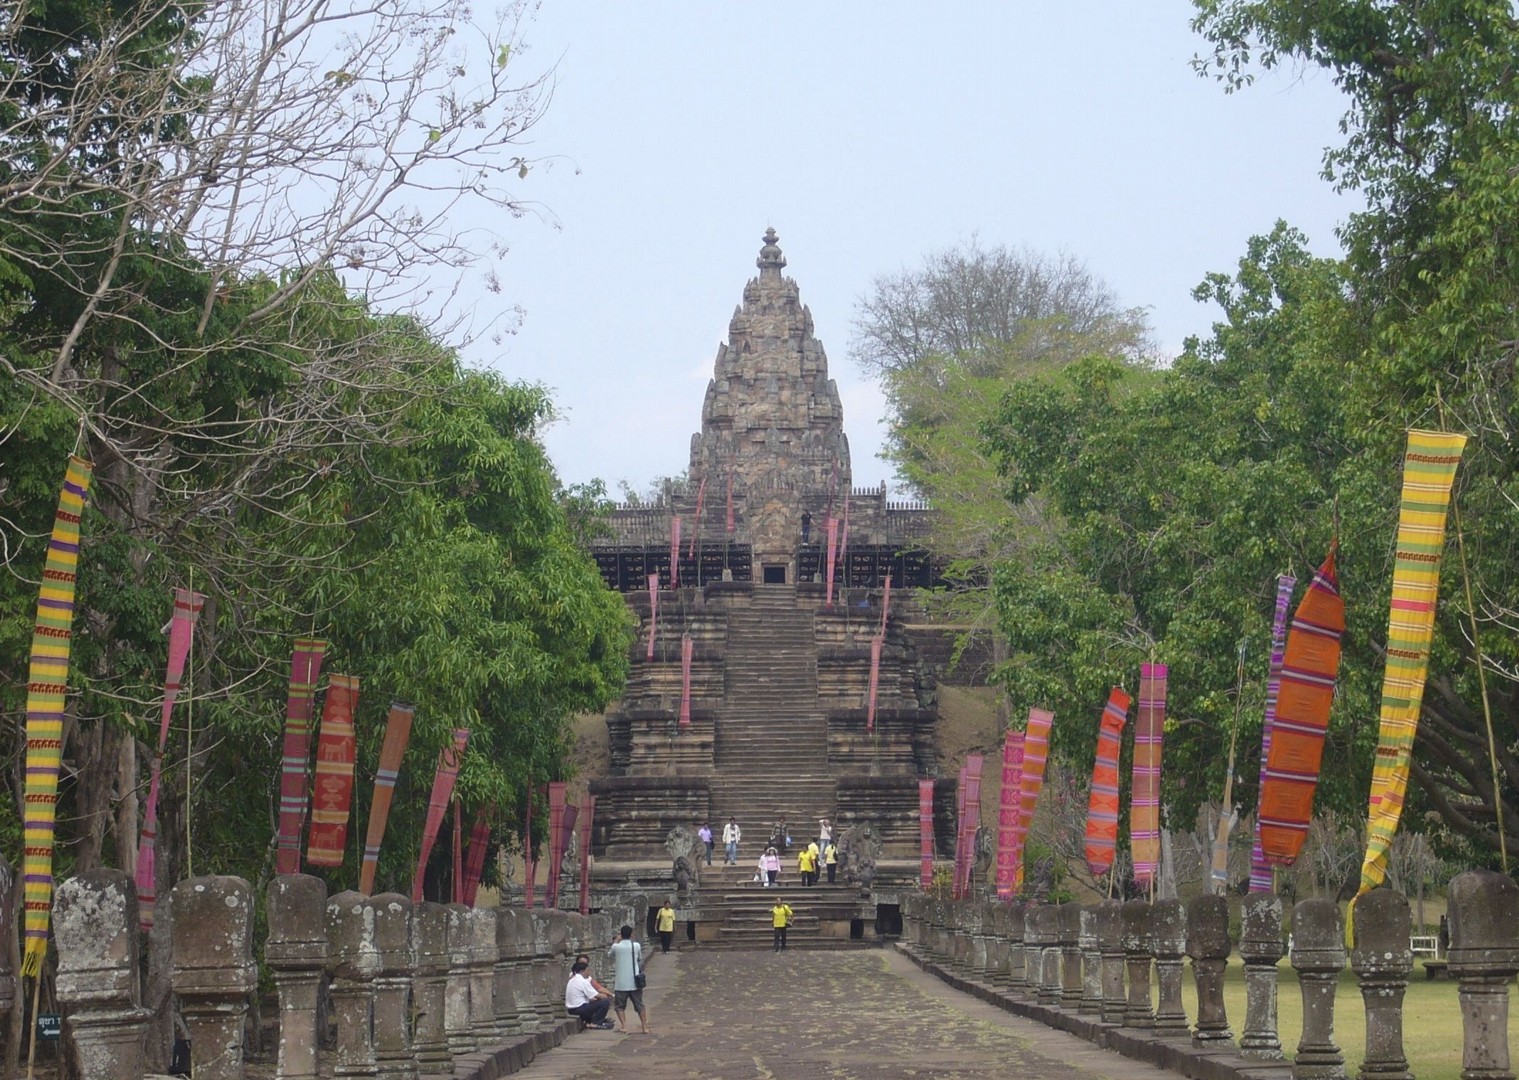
[127,807]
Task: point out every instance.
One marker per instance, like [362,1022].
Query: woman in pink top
[772,864]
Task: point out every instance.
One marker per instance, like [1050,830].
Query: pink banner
[187,607]
[844,541]
[449,760]
[586,816]
[686,650]
[701,499]
[833,541]
[653,612]
[474,864]
[969,819]
[875,682]
[556,841]
[675,551]
[885,604]
[926,834]
[1009,800]
[1036,748]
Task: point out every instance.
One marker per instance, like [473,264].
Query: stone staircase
[771,751]
[736,911]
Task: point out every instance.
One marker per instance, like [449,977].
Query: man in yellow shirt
[780,919]
[664,922]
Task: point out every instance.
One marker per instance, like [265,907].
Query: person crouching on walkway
[627,963]
[780,920]
[582,999]
[772,864]
[664,922]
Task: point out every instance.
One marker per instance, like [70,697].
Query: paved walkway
[857,1015]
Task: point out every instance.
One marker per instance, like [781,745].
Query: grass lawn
[1431,1019]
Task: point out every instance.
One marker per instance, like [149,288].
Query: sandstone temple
[780,664]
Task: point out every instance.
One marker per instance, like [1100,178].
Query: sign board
[49,1025]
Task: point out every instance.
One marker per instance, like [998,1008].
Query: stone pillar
[1011,978]
[212,971]
[482,975]
[1110,947]
[394,1057]
[962,924]
[912,921]
[1260,947]
[296,953]
[1091,963]
[429,946]
[1070,955]
[95,929]
[939,943]
[1208,946]
[526,972]
[1382,960]
[550,970]
[461,1038]
[506,973]
[1318,956]
[982,947]
[1137,958]
[1168,944]
[1484,955]
[354,957]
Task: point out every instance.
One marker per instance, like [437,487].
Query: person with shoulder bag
[628,979]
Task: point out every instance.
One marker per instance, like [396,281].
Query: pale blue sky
[867,135]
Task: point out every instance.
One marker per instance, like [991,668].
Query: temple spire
[770,261]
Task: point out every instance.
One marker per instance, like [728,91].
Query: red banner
[447,773]
[332,790]
[833,542]
[1008,848]
[875,682]
[479,841]
[653,612]
[556,841]
[970,819]
[686,650]
[1036,748]
[675,551]
[1102,804]
[305,668]
[1144,797]
[586,816]
[392,751]
[844,540]
[926,833]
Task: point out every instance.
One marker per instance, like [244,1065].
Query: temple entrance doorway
[774,575]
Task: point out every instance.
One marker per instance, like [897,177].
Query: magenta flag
[885,604]
[1261,877]
[653,612]
[586,815]
[926,834]
[675,551]
[556,841]
[449,760]
[686,650]
[1008,811]
[833,541]
[187,607]
[701,499]
[875,682]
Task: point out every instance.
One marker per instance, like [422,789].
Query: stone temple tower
[772,424]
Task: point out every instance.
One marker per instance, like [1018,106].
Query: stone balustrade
[1087,969]
[414,990]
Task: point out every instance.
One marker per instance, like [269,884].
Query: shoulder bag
[640,980]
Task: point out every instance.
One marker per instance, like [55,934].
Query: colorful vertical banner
[653,612]
[392,752]
[675,551]
[701,499]
[1144,801]
[1007,813]
[875,682]
[556,841]
[1036,750]
[444,778]
[885,604]
[833,541]
[587,815]
[1261,874]
[970,821]
[1102,805]
[474,863]
[47,683]
[332,788]
[1429,474]
[926,834]
[687,649]
[305,669]
[187,607]
[1310,666]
